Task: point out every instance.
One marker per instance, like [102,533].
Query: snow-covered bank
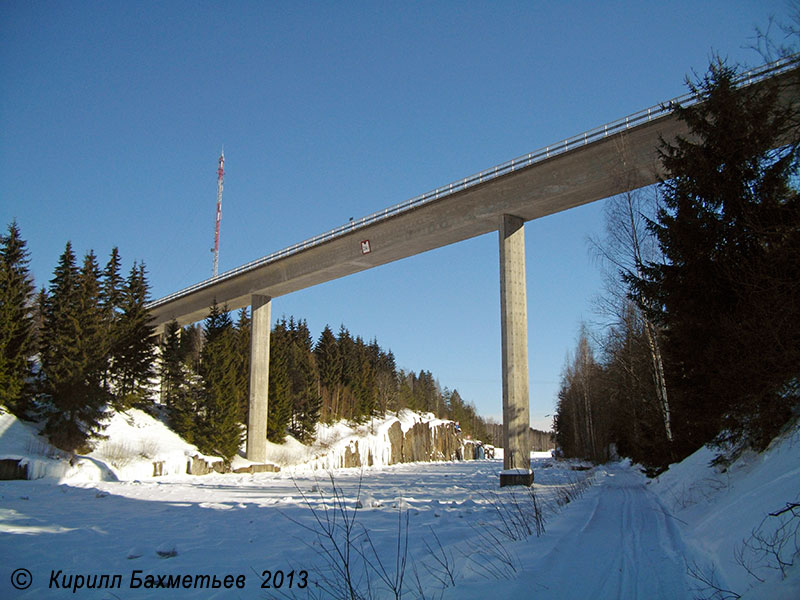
[21,445]
[718,511]
[138,446]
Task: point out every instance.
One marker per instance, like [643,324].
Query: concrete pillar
[260,307]
[514,329]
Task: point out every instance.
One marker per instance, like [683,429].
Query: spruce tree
[112,286]
[16,322]
[73,354]
[181,391]
[111,292]
[280,402]
[191,347]
[242,365]
[306,401]
[133,343]
[366,390]
[730,233]
[386,387]
[219,430]
[170,365]
[347,352]
[405,390]
[329,364]
[39,309]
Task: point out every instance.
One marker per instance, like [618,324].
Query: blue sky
[113,114]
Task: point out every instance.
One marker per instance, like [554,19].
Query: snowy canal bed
[432,530]
[244,525]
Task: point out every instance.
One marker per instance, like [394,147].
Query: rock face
[470,450]
[423,442]
[395,435]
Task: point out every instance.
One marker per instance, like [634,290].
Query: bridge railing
[520,162]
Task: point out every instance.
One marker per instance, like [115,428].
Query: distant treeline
[338,376]
[541,441]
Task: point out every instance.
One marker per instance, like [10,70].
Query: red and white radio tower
[220,173]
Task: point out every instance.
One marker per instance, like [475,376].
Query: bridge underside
[601,169]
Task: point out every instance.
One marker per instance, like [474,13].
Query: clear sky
[113,114]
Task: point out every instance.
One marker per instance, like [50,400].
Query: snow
[136,441]
[609,531]
[21,441]
[719,509]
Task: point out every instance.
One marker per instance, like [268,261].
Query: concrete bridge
[609,160]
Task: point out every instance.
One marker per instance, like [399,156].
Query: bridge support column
[260,307]
[514,330]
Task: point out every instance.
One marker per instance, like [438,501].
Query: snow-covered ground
[718,512]
[624,537]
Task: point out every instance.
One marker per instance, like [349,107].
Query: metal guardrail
[521,162]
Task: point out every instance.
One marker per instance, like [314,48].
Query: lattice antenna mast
[220,174]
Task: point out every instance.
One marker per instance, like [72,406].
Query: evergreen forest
[205,370]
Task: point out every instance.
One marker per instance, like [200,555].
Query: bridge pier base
[256,449]
[514,332]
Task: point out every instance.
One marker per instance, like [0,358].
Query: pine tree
[73,354]
[16,322]
[580,429]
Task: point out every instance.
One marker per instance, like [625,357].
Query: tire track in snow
[616,542]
